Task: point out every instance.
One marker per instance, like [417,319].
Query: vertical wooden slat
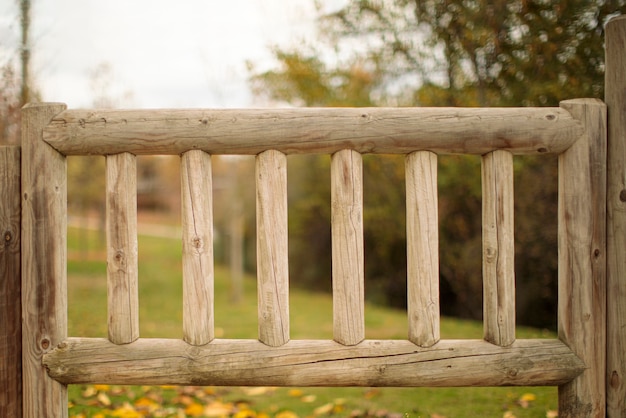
[272,255]
[121,225]
[498,248]
[582,260]
[197,222]
[44,259]
[10,284]
[422,248]
[347,247]
[615,97]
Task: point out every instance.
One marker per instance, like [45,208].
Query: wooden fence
[586,361]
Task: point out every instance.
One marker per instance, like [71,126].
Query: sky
[157,53]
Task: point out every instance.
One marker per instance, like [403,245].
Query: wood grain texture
[422,248]
[498,248]
[314,363]
[348,263]
[197,224]
[44,259]
[615,97]
[121,228]
[10,283]
[272,250]
[311,130]
[582,260]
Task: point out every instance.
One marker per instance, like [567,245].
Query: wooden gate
[576,361]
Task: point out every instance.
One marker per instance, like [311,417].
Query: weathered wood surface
[498,248]
[422,248]
[272,248]
[310,130]
[121,228]
[582,260]
[44,262]
[615,97]
[314,363]
[10,284]
[348,274]
[197,224]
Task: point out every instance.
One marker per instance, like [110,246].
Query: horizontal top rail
[314,130]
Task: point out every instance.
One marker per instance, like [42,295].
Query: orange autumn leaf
[194,409]
[217,409]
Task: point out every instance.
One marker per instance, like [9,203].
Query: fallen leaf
[126,411]
[308,398]
[324,409]
[102,387]
[194,409]
[217,409]
[526,399]
[508,414]
[295,393]
[103,399]
[88,392]
[286,414]
[552,414]
[257,391]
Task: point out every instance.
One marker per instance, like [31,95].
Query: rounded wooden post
[582,260]
[272,250]
[198,272]
[422,233]
[498,248]
[10,284]
[121,225]
[615,98]
[347,247]
[44,262]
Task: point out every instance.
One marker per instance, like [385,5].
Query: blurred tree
[9,106]
[442,53]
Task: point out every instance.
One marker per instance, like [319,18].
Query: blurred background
[245,53]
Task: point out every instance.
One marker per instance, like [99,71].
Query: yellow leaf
[102,387]
[552,414]
[98,416]
[194,409]
[126,411]
[296,393]
[308,398]
[217,409]
[262,390]
[526,399]
[88,392]
[245,413]
[103,399]
[286,414]
[508,414]
[324,409]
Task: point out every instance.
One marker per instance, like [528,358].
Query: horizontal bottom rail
[399,363]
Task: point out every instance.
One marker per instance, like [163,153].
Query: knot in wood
[45,343]
[8,236]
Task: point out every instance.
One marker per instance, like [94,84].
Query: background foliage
[441,53]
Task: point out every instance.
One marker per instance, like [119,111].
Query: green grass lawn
[160,299]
